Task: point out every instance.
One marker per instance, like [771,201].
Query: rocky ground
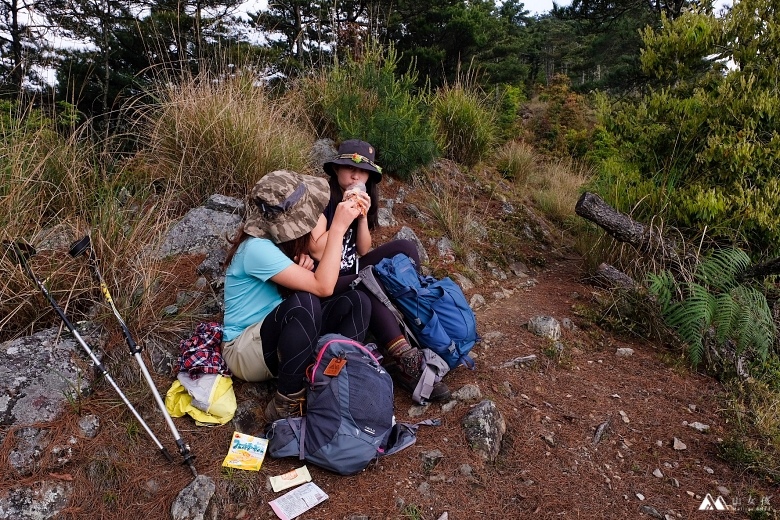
[598,425]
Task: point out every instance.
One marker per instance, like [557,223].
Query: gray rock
[200,231]
[545,326]
[519,269]
[446,249]
[408,234]
[464,282]
[212,265]
[385,217]
[477,230]
[29,444]
[430,459]
[477,301]
[31,395]
[484,427]
[43,500]
[225,204]
[624,352]
[699,427]
[414,212]
[678,445]
[322,151]
[449,406]
[650,511]
[418,410]
[467,393]
[193,501]
[89,425]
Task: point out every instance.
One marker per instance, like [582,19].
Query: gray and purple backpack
[349,419]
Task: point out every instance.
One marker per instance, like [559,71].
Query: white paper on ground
[298,501]
[290,479]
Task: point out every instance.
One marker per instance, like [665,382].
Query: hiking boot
[284,406]
[407,371]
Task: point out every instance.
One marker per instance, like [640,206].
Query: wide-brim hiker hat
[286,205]
[360,154]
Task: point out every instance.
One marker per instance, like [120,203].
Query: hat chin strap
[271,211]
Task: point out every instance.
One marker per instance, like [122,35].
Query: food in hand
[353,193]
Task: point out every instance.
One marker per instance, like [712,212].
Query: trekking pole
[76,249]
[21,251]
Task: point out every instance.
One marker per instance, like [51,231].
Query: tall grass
[445,204]
[517,161]
[465,122]
[557,186]
[221,134]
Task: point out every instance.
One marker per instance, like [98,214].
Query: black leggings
[290,333]
[383,324]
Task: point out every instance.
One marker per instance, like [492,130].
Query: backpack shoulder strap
[368,279]
[404,435]
[302,425]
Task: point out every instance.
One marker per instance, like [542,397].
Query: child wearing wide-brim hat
[276,303]
[355,164]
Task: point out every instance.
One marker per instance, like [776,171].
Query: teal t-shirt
[249,293]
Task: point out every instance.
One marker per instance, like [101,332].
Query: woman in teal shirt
[276,304]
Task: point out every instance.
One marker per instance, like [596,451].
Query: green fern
[716,300]
[719,271]
[663,287]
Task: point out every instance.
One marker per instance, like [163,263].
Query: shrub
[464,121]
[366,100]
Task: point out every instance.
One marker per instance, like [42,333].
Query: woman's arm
[363,239]
[319,237]
[322,281]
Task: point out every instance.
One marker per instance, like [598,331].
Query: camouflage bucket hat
[286,205]
[360,154]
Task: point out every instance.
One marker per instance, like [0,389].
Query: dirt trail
[549,465]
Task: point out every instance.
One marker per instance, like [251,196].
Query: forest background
[669,110]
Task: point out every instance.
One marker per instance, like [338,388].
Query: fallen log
[768,268]
[609,276]
[645,238]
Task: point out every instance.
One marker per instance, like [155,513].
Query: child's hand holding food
[357,192]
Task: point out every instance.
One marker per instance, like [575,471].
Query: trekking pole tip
[166,454]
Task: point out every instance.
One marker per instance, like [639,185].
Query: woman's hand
[304,261]
[346,212]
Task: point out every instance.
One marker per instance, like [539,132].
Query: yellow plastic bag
[209,400]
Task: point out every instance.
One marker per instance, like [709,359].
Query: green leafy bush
[708,134]
[366,100]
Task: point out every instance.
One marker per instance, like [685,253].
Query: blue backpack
[435,310]
[349,419]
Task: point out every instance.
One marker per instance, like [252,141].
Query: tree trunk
[609,276]
[621,227]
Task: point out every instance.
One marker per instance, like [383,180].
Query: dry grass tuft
[210,135]
[517,161]
[557,186]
